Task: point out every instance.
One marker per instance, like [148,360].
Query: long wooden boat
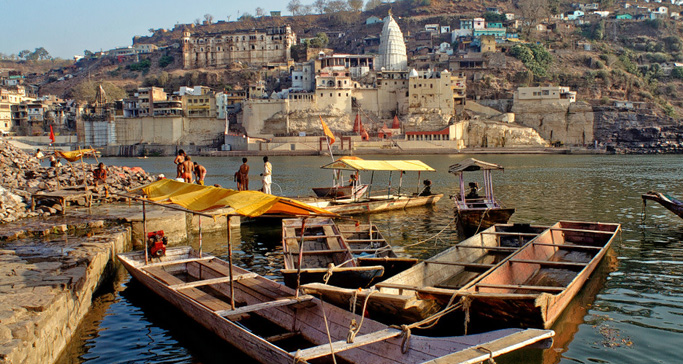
[405,296]
[476,213]
[265,313]
[371,248]
[532,287]
[324,256]
[373,204]
[341,192]
[669,203]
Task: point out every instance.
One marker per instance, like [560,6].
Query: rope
[466,303]
[405,343]
[486,212]
[429,238]
[328,274]
[488,351]
[327,328]
[353,328]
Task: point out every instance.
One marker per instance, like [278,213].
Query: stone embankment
[637,131]
[21,175]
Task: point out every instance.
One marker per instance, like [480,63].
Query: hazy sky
[68,27]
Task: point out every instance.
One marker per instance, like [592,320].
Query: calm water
[631,311]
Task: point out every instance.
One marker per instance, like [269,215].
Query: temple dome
[392,47]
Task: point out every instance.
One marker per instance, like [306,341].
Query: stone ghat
[46,288]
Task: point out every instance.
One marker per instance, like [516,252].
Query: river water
[630,311]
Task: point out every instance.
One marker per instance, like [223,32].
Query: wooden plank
[174,262]
[262,306]
[492,248]
[207,282]
[503,233]
[462,264]
[584,231]
[338,346]
[548,263]
[364,240]
[286,335]
[397,286]
[521,286]
[312,237]
[570,246]
[485,351]
[195,294]
[164,276]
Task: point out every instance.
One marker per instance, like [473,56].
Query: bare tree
[371,4]
[294,7]
[320,5]
[208,18]
[356,5]
[533,11]
[197,21]
[260,12]
[336,6]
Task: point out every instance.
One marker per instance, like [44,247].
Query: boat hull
[472,221]
[379,204]
[668,204]
[340,191]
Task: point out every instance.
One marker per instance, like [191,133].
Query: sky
[68,27]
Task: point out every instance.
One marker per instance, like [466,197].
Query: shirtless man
[242,176]
[199,173]
[187,168]
[179,159]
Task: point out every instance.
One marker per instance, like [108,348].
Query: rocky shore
[21,175]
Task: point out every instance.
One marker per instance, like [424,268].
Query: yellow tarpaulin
[378,165]
[74,155]
[206,198]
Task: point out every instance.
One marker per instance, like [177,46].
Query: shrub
[165,61]
[143,65]
[677,72]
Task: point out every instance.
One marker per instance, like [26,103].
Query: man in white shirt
[267,172]
[39,154]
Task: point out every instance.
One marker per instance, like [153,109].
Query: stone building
[254,47]
[392,47]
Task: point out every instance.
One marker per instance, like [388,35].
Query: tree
[294,7]
[336,6]
[208,18]
[41,54]
[320,5]
[151,30]
[260,12]
[163,78]
[245,16]
[25,53]
[320,41]
[533,11]
[371,4]
[88,54]
[197,21]
[355,5]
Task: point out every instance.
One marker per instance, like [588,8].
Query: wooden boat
[669,203]
[265,313]
[476,213]
[341,192]
[532,287]
[371,248]
[325,256]
[405,297]
[373,204]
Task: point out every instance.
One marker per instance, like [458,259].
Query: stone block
[22,330]
[5,334]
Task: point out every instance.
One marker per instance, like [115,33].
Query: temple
[392,47]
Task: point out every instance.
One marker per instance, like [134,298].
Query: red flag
[52,135]
[327,131]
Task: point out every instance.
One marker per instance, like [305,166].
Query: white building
[392,47]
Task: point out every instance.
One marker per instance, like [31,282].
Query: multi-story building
[254,47]
[202,104]
[147,96]
[545,94]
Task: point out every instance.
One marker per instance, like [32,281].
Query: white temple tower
[392,47]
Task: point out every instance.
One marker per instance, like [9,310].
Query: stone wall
[569,124]
[637,131]
[169,130]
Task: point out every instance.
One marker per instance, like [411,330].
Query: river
[631,310]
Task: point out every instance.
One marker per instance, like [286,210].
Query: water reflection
[631,310]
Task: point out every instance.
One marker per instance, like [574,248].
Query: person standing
[199,173]
[179,159]
[187,168]
[242,176]
[267,173]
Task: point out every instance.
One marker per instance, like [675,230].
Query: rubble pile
[21,175]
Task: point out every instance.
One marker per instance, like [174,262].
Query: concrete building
[547,94]
[254,47]
[200,105]
[392,47]
[431,90]
[146,97]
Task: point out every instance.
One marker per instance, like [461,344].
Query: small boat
[669,203]
[405,297]
[325,256]
[256,314]
[371,248]
[532,287]
[474,212]
[341,192]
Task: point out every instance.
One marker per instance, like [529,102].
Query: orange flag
[327,131]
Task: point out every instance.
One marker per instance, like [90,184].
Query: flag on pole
[327,131]
[52,135]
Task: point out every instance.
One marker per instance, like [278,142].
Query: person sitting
[427,190]
[39,154]
[54,162]
[474,188]
[352,179]
[100,174]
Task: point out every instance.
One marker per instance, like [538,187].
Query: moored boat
[669,203]
[474,212]
[532,287]
[254,314]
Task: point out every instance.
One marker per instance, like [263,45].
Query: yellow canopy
[357,164]
[205,198]
[74,155]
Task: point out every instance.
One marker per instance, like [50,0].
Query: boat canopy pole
[462,187]
[389,188]
[144,230]
[400,182]
[418,182]
[487,184]
[301,257]
[200,235]
[232,282]
[372,178]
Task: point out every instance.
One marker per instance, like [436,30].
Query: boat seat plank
[262,306]
[548,263]
[396,286]
[207,282]
[570,246]
[332,241]
[462,264]
[312,237]
[195,294]
[503,233]
[492,248]
[175,262]
[218,268]
[583,231]
[342,345]
[521,286]
[364,240]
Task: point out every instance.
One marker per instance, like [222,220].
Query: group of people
[54,161]
[191,172]
[242,176]
[187,170]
